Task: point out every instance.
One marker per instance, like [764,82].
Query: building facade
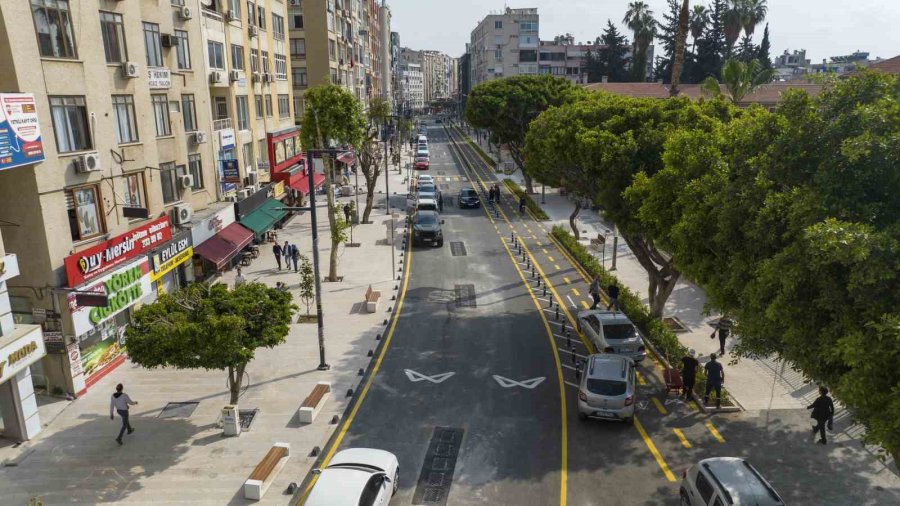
[562,57]
[505,44]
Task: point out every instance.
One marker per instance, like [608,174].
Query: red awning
[302,184]
[222,247]
[347,157]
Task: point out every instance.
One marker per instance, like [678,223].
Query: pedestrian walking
[440,197]
[723,327]
[347,212]
[613,292]
[239,279]
[522,204]
[120,401]
[595,291]
[490,194]
[276,250]
[822,412]
[715,377]
[295,256]
[689,365]
[286,253]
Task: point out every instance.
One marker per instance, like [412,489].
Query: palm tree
[698,22]
[639,18]
[754,12]
[680,37]
[734,22]
[740,79]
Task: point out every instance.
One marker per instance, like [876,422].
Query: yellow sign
[164,268]
[278,190]
[18,355]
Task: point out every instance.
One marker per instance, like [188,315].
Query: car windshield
[426,187]
[619,331]
[468,192]
[426,219]
[606,387]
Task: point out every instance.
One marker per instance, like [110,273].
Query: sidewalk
[76,460]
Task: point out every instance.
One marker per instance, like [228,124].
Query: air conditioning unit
[186,181]
[87,163]
[294,3]
[215,77]
[232,16]
[186,13]
[166,40]
[253,30]
[200,137]
[234,75]
[130,69]
[257,77]
[246,192]
[182,213]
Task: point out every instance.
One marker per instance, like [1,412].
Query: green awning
[264,217]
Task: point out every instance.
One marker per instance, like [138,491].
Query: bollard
[370,353]
[551,303]
[349,392]
[512,237]
[360,372]
[335,419]
[545,294]
[564,326]
[378,337]
[574,357]
[532,272]
[539,281]
[557,312]
[315,451]
[568,340]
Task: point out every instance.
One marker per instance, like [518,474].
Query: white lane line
[572,303]
[573,385]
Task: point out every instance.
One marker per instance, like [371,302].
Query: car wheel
[685,500]
[441,243]
[396,481]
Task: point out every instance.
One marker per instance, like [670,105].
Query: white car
[425,178]
[356,477]
[612,332]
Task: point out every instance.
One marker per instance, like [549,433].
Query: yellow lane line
[585,304]
[545,251]
[641,379]
[652,447]
[659,406]
[557,267]
[680,435]
[574,290]
[540,244]
[551,258]
[714,432]
[567,280]
[533,236]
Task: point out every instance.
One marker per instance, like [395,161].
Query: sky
[824,28]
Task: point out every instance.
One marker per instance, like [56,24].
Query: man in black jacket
[822,412]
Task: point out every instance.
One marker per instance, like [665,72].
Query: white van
[422,139]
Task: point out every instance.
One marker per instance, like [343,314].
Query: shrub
[532,206]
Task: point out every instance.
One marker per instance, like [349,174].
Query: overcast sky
[824,28]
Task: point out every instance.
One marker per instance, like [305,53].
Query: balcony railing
[222,124]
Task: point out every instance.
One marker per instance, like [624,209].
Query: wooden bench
[314,402]
[265,472]
[373,297]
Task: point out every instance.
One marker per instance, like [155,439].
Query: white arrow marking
[437,378]
[529,384]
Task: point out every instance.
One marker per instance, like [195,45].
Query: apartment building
[562,57]
[411,87]
[107,158]
[436,68]
[505,44]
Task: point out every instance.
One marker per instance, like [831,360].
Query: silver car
[722,481]
[607,388]
[612,332]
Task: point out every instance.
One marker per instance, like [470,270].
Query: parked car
[607,388]
[426,227]
[356,476]
[424,178]
[612,332]
[426,204]
[422,163]
[468,197]
[724,481]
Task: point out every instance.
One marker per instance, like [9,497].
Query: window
[298,22]
[499,40]
[237,57]
[265,61]
[189,111]
[152,45]
[254,60]
[221,108]
[85,214]
[277,27]
[332,49]
[123,111]
[53,25]
[498,54]
[284,106]
[268,98]
[498,25]
[70,123]
[299,76]
[280,67]
[243,112]
[262,17]
[183,50]
[298,108]
[298,49]
[234,8]
[247,154]
[195,168]
[133,194]
[161,113]
[334,76]
[113,31]
[528,26]
[704,487]
[251,13]
[259,105]
[527,55]
[168,180]
[216,54]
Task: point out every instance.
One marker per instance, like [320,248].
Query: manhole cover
[674,324]
[458,249]
[247,416]
[436,476]
[178,410]
[465,295]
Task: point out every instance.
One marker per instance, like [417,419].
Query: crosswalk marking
[557,267]
[641,379]
[551,258]
[567,280]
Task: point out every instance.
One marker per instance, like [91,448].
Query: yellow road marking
[693,406]
[567,280]
[550,258]
[585,304]
[652,447]
[540,244]
[545,251]
[680,435]
[641,379]
[533,236]
[574,290]
[557,267]
[714,432]
[659,406]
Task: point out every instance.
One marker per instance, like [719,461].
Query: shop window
[237,57]
[112,28]
[70,124]
[123,112]
[53,25]
[168,181]
[216,52]
[189,111]
[161,113]
[183,50]
[152,45]
[134,194]
[195,168]
[85,213]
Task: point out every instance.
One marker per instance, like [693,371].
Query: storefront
[171,264]
[261,211]
[218,240]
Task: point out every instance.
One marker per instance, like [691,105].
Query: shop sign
[20,131]
[96,260]
[53,340]
[226,138]
[125,287]
[230,171]
[212,225]
[278,190]
[170,256]
[20,353]
[284,148]
[160,78]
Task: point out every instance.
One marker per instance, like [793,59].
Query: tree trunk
[680,39]
[572,217]
[370,201]
[332,221]
[235,378]
[661,272]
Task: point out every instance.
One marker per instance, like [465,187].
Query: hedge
[653,329]
[532,206]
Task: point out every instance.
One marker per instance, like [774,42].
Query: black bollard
[545,294]
[557,312]
[574,357]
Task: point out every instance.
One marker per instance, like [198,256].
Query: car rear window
[426,219]
[619,331]
[605,387]
[468,193]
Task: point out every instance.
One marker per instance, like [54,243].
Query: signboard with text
[109,254]
[166,258]
[284,148]
[160,78]
[230,171]
[124,287]
[20,131]
[212,225]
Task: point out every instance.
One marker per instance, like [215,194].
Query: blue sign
[20,131]
[230,171]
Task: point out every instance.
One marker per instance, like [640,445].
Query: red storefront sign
[284,149]
[98,259]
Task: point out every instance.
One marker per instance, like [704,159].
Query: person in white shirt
[239,279]
[120,402]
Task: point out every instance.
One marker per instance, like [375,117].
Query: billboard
[20,131]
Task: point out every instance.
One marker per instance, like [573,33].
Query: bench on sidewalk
[372,299]
[265,472]
[314,402]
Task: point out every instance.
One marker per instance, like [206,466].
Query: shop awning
[347,157]
[302,184]
[264,217]
[222,247]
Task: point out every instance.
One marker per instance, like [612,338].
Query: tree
[740,79]
[754,12]
[667,33]
[698,23]
[506,106]
[307,283]
[369,154]
[746,50]
[639,18]
[762,53]
[607,58]
[210,327]
[680,39]
[333,115]
[711,48]
[733,23]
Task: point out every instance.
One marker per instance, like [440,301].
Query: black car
[468,198]
[426,228]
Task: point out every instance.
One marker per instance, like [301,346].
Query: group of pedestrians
[612,291]
[494,193]
[289,252]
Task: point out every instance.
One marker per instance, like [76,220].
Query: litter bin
[231,422]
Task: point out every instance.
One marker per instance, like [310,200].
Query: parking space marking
[652,447]
[545,251]
[534,237]
[567,280]
[557,267]
[659,407]
[573,385]
[585,304]
[641,379]
[680,435]
[540,245]
[714,432]
[575,291]
[551,258]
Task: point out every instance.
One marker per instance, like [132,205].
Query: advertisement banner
[98,259]
[212,225]
[230,171]
[160,78]
[172,255]
[124,288]
[19,354]
[226,138]
[20,131]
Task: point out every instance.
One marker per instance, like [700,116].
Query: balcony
[222,124]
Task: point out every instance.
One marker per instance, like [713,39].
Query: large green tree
[711,47]
[739,79]
[505,107]
[210,327]
[608,57]
[639,19]
[333,117]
